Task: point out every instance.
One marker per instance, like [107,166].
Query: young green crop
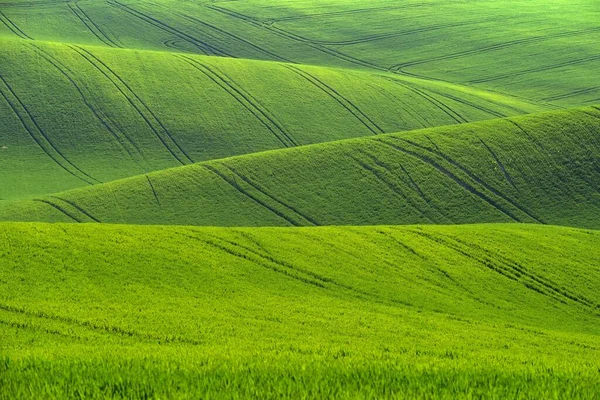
[530,169]
[133,312]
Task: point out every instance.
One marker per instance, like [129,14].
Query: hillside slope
[525,47]
[288,311]
[538,169]
[76,116]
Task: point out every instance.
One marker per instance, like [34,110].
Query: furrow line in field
[13,27]
[573,93]
[417,189]
[91,25]
[254,260]
[343,101]
[546,283]
[500,165]
[497,46]
[387,182]
[269,258]
[111,329]
[153,190]
[537,69]
[121,137]
[296,38]
[260,189]
[470,104]
[160,131]
[201,45]
[488,263]
[248,101]
[24,325]
[465,185]
[399,34]
[346,12]
[235,185]
[39,136]
[475,178]
[77,207]
[429,98]
[58,208]
[234,37]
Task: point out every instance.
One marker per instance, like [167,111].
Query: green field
[530,169]
[299,199]
[430,311]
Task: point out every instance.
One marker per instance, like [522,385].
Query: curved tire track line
[90,25]
[465,185]
[234,37]
[258,201]
[244,98]
[41,138]
[110,329]
[476,179]
[387,182]
[78,208]
[437,103]
[260,189]
[142,109]
[296,38]
[343,101]
[13,27]
[201,45]
[498,46]
[117,133]
[58,208]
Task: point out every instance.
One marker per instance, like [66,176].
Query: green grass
[76,116]
[246,118]
[530,48]
[534,169]
[119,311]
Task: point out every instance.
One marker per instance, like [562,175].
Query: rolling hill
[533,169]
[299,199]
[526,48]
[78,116]
[279,311]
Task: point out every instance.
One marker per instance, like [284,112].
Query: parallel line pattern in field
[399,67]
[119,135]
[474,178]
[295,38]
[13,27]
[77,207]
[574,93]
[260,189]
[343,101]
[201,45]
[91,25]
[110,329]
[543,68]
[153,190]
[235,184]
[500,165]
[159,129]
[58,208]
[475,24]
[374,167]
[39,136]
[256,260]
[507,268]
[431,99]
[234,37]
[247,100]
[462,183]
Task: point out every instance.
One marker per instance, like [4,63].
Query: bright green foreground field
[501,310]
[535,169]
